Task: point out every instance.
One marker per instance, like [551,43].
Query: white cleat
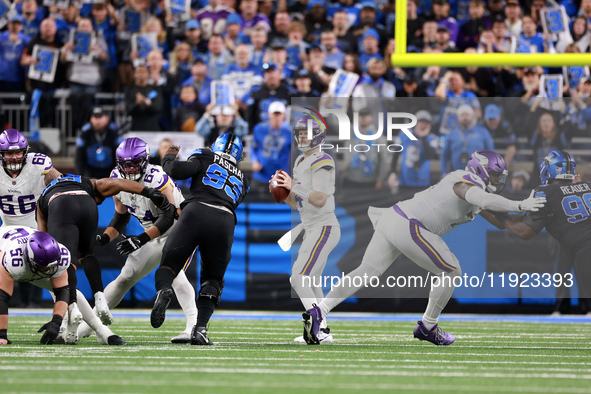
[102,308]
[74,320]
[324,337]
[183,337]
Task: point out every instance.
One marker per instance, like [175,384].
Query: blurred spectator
[259,50]
[194,39]
[500,130]
[31,18]
[316,65]
[531,35]
[143,101]
[334,56]
[367,21]
[350,8]
[545,139]
[251,18]
[370,41]
[243,75]
[415,164]
[513,21]
[367,169]
[165,43]
[165,81]
[218,58]
[200,81]
[345,38]
[579,109]
[529,85]
[495,9]
[68,21]
[519,181]
[374,85]
[478,80]
[233,35]
[470,31]
[580,35]
[414,21]
[12,44]
[279,59]
[428,37]
[212,18]
[501,38]
[296,47]
[443,40]
[536,7]
[463,141]
[156,157]
[47,37]
[451,90]
[316,20]
[180,62]
[351,64]
[96,145]
[271,147]
[430,80]
[189,112]
[270,91]
[441,9]
[218,120]
[303,84]
[278,35]
[104,21]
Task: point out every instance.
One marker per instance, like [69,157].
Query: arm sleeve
[535,220]
[492,202]
[180,169]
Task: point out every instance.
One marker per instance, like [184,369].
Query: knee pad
[127,272]
[211,289]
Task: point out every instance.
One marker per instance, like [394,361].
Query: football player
[145,250]
[564,216]
[414,228]
[207,220]
[67,210]
[312,194]
[29,255]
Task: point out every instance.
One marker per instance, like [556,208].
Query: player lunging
[145,250]
[564,215]
[414,228]
[207,220]
[312,194]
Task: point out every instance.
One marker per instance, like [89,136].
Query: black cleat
[116,340]
[199,337]
[159,309]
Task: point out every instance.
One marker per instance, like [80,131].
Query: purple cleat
[435,335]
[312,319]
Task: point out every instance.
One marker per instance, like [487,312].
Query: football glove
[51,329]
[159,199]
[4,335]
[133,243]
[532,204]
[102,239]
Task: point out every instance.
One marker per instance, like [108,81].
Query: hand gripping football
[279,193]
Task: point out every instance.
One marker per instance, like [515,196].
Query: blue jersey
[31,28]
[63,29]
[10,57]
[109,33]
[204,93]
[536,41]
[271,148]
[243,79]
[415,168]
[364,58]
[460,144]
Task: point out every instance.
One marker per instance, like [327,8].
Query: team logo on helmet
[315,128]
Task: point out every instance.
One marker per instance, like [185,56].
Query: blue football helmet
[229,145]
[557,165]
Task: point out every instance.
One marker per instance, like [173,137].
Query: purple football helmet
[132,158]
[13,142]
[300,133]
[43,253]
[490,167]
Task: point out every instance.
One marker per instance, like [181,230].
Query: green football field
[255,353]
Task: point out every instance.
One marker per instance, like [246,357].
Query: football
[279,193]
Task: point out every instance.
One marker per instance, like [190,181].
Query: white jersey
[18,196]
[303,173]
[438,208]
[142,207]
[13,242]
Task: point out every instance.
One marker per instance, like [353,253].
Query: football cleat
[199,337]
[105,336]
[324,337]
[74,320]
[158,314]
[102,308]
[435,335]
[183,337]
[116,340]
[312,319]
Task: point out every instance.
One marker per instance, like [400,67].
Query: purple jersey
[258,19]
[213,20]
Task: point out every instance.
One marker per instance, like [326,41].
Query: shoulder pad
[40,161]
[471,179]
[115,173]
[321,160]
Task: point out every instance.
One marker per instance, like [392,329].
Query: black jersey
[215,180]
[566,213]
[64,184]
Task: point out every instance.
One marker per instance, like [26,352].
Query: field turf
[255,353]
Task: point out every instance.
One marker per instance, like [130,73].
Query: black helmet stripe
[569,162]
[229,144]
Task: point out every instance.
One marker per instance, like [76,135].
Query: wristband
[145,192]
[301,191]
[57,319]
[144,238]
[4,334]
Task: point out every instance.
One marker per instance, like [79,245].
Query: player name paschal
[583,187]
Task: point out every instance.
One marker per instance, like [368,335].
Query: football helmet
[557,165]
[43,253]
[230,146]
[132,158]
[318,133]
[490,167]
[13,141]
